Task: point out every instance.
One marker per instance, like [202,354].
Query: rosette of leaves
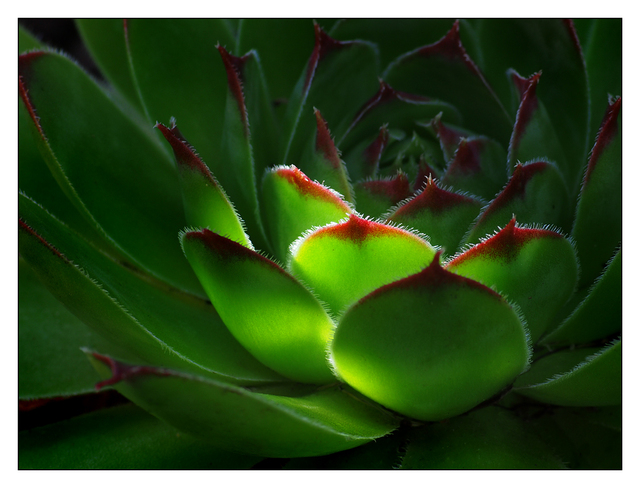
[289,239]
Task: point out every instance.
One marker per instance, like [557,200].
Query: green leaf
[363,160]
[50,361]
[551,46]
[383,453]
[444,70]
[123,437]
[533,136]
[324,161]
[105,40]
[326,421]
[535,268]
[535,193]
[603,57]
[585,438]
[158,323]
[292,204]
[398,110]
[576,378]
[345,261]
[339,78]
[234,166]
[377,196]
[26,41]
[598,226]
[268,311]
[392,36]
[441,214]
[599,315]
[205,202]
[283,46]
[477,167]
[430,346]
[180,75]
[489,438]
[98,157]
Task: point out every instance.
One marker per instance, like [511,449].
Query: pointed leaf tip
[184,153]
[607,132]
[233,66]
[324,142]
[122,371]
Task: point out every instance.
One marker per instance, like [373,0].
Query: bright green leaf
[268,311]
[343,262]
[430,346]
[535,268]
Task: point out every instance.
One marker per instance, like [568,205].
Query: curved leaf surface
[599,314]
[123,437]
[50,362]
[576,378]
[490,438]
[343,262]
[126,190]
[268,311]
[158,323]
[430,346]
[535,268]
[326,421]
[293,204]
[598,224]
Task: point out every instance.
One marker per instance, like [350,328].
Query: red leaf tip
[122,372]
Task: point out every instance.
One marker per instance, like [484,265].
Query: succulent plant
[397,251]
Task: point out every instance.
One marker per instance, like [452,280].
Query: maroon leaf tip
[505,244]
[516,186]
[308,187]
[324,44]
[357,229]
[234,67]
[122,372]
[384,95]
[434,199]
[528,105]
[424,172]
[373,152]
[607,132]
[226,249]
[324,142]
[466,159]
[449,138]
[184,153]
[432,277]
[395,189]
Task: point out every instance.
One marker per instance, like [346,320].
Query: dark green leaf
[444,70]
[490,438]
[326,421]
[111,169]
[50,362]
[588,377]
[598,226]
[599,315]
[551,46]
[105,39]
[123,437]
